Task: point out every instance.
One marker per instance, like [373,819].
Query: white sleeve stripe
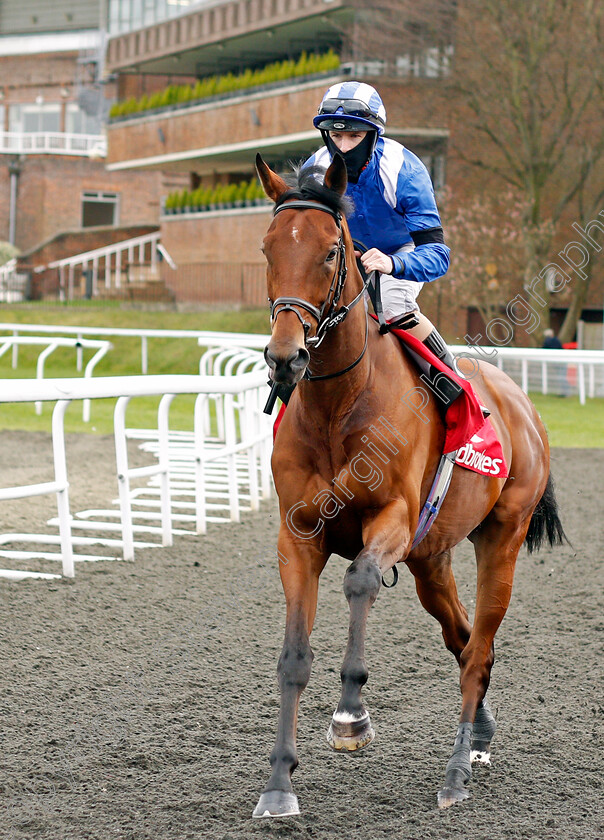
[390,166]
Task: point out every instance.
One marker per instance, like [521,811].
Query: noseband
[327,315]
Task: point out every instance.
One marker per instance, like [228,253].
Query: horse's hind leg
[496,544]
[437,591]
[482,733]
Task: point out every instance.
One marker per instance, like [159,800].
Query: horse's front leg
[385,540]
[301,563]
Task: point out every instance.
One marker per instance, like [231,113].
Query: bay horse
[346,487]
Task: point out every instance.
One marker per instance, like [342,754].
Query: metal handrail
[52,143]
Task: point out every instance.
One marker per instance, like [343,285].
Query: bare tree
[524,98]
[529,75]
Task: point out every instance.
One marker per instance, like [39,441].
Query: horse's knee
[362,579]
[294,664]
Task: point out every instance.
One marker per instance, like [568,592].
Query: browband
[302,204]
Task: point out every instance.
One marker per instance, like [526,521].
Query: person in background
[552,342]
[395,221]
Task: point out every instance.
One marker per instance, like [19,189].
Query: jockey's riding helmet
[351,106]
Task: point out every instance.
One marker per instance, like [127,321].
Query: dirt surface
[139,701]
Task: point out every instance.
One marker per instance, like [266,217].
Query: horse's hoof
[350,732]
[276,803]
[451,796]
[482,755]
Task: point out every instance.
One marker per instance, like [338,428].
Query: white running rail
[548,371]
[204,337]
[534,369]
[249,431]
[8,342]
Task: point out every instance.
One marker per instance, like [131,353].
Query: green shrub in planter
[222,195]
[278,71]
[184,200]
[155,101]
[250,191]
[231,194]
[240,191]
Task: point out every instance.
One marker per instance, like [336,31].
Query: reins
[333,317]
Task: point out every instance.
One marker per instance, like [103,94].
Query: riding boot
[445,388]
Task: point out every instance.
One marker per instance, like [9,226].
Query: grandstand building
[54,101]
[205,86]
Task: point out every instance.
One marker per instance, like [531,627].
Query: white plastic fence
[561,372]
[50,345]
[248,435]
[13,283]
[205,338]
[534,369]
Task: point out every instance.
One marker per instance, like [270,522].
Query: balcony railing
[52,143]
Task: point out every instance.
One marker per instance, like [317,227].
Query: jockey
[395,219]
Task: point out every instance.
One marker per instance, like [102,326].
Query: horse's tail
[545,522]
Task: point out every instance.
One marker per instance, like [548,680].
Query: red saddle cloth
[467,430]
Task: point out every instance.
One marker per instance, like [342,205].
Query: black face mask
[356,158]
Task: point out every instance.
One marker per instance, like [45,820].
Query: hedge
[216,86]
[224,195]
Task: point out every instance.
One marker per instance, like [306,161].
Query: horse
[346,486]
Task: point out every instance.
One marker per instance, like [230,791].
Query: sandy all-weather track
[140,700]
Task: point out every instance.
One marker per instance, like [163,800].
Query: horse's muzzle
[287,370]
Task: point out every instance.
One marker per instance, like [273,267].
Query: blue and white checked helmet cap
[348,106]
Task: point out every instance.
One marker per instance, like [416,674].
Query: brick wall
[274,113]
[52,76]
[230,236]
[50,195]
[219,261]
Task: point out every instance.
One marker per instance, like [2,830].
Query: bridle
[327,315]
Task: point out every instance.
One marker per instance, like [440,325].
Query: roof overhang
[264,41]
[239,157]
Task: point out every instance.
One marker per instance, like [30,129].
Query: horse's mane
[308,184]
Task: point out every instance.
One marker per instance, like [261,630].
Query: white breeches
[399,296]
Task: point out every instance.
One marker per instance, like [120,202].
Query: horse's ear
[336,177]
[274,186]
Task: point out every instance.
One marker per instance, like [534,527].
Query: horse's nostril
[301,358]
[284,366]
[269,358]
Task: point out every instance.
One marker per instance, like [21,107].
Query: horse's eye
[332,255]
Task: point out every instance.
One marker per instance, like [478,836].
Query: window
[435,164]
[128,15]
[429,63]
[79,122]
[32,117]
[99,208]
